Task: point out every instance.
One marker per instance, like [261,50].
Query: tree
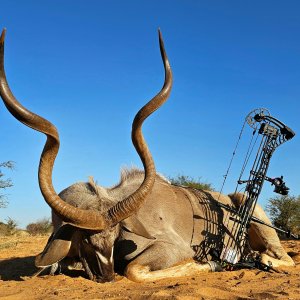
[5,183]
[285,212]
[191,182]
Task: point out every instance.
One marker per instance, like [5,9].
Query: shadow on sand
[16,268]
[21,267]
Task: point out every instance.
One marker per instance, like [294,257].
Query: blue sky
[88,66]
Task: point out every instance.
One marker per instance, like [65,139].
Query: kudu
[144,227]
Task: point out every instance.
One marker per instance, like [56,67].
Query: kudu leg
[53,269]
[263,238]
[156,263]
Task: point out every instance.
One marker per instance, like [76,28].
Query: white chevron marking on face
[112,255]
[102,258]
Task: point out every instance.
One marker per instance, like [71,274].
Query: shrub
[191,182]
[285,212]
[8,228]
[40,227]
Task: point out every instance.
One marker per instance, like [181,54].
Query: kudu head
[89,233]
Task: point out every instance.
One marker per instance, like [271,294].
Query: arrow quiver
[272,133]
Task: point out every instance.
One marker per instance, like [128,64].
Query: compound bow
[273,133]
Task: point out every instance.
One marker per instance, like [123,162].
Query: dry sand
[17,265]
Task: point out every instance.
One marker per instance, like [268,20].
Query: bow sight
[273,133]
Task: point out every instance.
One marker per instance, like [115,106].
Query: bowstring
[236,225]
[227,216]
[245,163]
[247,157]
[231,160]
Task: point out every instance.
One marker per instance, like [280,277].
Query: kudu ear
[132,224]
[58,246]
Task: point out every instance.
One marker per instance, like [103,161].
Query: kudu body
[144,227]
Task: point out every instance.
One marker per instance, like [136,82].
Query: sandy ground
[17,266]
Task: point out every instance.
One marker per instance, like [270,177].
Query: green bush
[285,212]
[191,182]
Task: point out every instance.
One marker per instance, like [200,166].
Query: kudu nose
[106,279]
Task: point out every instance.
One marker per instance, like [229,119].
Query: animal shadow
[16,268]
[19,268]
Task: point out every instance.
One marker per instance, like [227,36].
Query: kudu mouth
[98,265]
[88,219]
